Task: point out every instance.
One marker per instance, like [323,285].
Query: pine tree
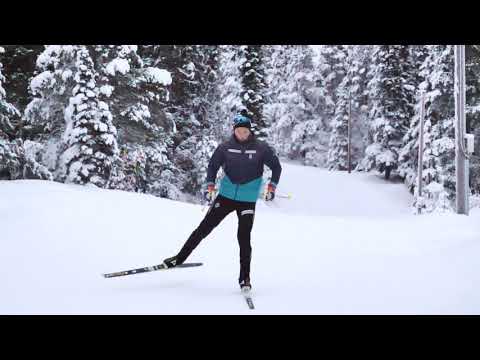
[90,134]
[392,97]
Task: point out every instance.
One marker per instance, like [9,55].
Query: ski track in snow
[343,244]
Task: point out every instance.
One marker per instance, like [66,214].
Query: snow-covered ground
[343,244]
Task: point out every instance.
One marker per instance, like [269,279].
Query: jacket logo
[250,152]
[235,151]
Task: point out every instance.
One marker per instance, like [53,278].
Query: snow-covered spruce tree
[195,140]
[439,133]
[472,78]
[331,66]
[18,158]
[440,125]
[211,75]
[229,84]
[338,148]
[44,116]
[315,132]
[351,101]
[290,77]
[418,54]
[276,111]
[10,158]
[253,81]
[192,157]
[90,135]
[191,107]
[408,156]
[391,106]
[357,72]
[329,71]
[209,78]
[200,109]
[7,110]
[18,68]
[184,62]
[193,152]
[275,69]
[136,94]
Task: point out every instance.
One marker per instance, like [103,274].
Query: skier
[242,158]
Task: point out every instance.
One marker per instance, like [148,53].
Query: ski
[148,269]
[248,298]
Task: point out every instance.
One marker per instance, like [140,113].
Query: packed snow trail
[344,244]
[333,193]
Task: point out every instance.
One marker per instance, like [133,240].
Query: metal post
[460,124]
[420,150]
[349,74]
[349,133]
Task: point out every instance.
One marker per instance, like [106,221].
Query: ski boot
[171,262]
[245,285]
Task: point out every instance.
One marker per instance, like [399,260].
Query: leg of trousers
[220,208]
[246,215]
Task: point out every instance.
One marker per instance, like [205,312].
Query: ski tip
[190,264]
[106,276]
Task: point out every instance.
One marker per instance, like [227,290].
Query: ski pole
[283,196]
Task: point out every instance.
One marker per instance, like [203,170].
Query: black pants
[220,208]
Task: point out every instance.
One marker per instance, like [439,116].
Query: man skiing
[242,158]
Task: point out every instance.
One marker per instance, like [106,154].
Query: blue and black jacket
[242,163]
